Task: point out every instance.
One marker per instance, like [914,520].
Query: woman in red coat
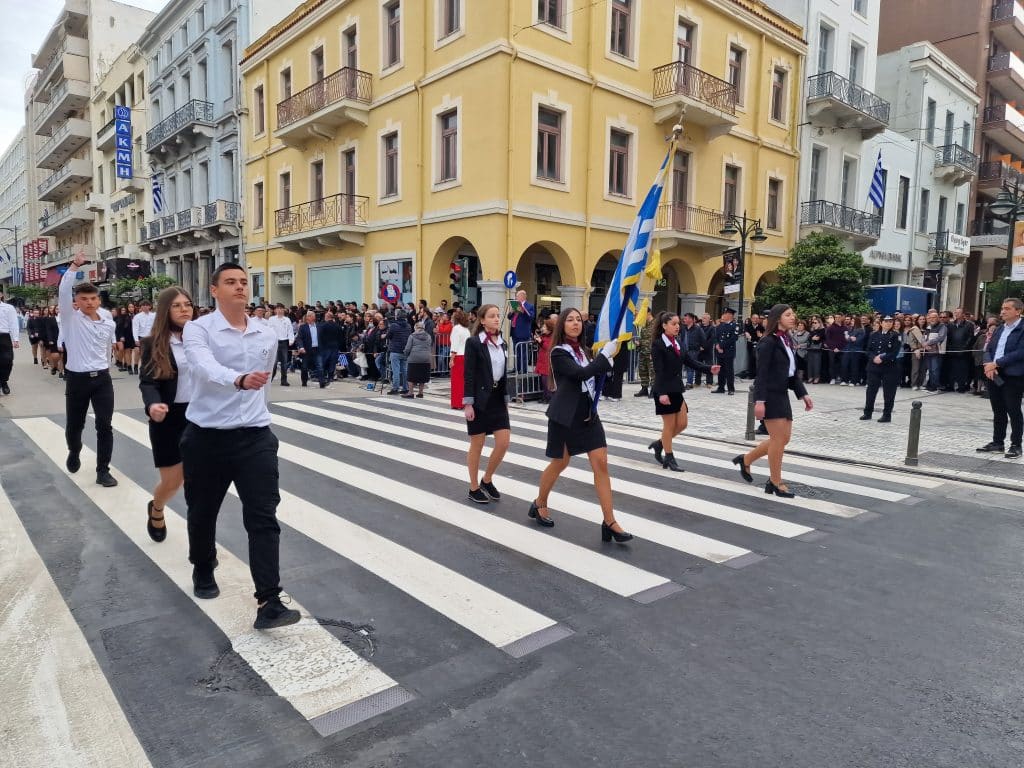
[459,334]
[543,339]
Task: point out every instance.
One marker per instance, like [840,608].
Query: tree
[141,287]
[820,277]
[29,294]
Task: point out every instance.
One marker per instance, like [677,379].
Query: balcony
[185,128]
[681,90]
[955,164]
[1005,126]
[70,61]
[834,100]
[328,222]
[1007,23]
[105,136]
[317,112]
[97,202]
[991,237]
[70,97]
[993,175]
[1006,72]
[682,224]
[67,253]
[65,220]
[73,19]
[66,140]
[211,221]
[65,180]
[861,227]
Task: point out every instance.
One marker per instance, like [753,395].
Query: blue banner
[123,141]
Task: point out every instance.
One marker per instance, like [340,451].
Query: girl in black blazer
[668,356]
[573,424]
[776,375]
[485,400]
[166,384]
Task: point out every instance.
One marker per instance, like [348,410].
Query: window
[201,19]
[316,180]
[730,197]
[685,33]
[929,135]
[257,205]
[618,163]
[856,63]
[228,53]
[259,109]
[392,34]
[778,106]
[450,19]
[940,219]
[316,65]
[922,214]
[549,144]
[861,7]
[849,181]
[966,135]
[948,137]
[621,23]
[774,198]
[961,218]
[550,12]
[902,202]
[351,50]
[348,184]
[817,161]
[285,196]
[184,36]
[737,58]
[681,179]
[390,144]
[448,124]
[824,49]
[286,83]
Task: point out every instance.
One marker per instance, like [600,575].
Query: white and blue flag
[877,192]
[158,193]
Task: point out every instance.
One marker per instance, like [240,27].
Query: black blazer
[668,367]
[773,377]
[155,390]
[478,378]
[568,376]
[304,339]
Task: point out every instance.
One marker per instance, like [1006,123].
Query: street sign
[123,141]
[510,280]
[731,288]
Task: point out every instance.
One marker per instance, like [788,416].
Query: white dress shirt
[282,326]
[217,355]
[9,322]
[497,354]
[142,325]
[184,385]
[460,334]
[88,341]
[314,341]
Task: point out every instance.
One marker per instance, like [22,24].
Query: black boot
[656,447]
[670,463]
[642,393]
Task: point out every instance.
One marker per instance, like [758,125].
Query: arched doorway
[717,299]
[456,256]
[768,278]
[542,268]
[601,279]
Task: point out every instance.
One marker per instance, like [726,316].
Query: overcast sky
[23,24]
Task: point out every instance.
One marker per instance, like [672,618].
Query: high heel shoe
[744,469]
[156,534]
[656,447]
[543,522]
[771,487]
[670,463]
[608,533]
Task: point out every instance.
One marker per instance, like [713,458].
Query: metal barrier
[524,381]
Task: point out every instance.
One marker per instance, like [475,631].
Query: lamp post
[745,228]
[14,231]
[941,260]
[1009,207]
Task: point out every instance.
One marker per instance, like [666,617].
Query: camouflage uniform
[643,342]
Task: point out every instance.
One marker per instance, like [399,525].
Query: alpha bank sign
[123,142]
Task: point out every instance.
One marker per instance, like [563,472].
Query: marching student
[282,327]
[142,326]
[10,335]
[776,375]
[485,400]
[668,357]
[165,380]
[228,440]
[883,349]
[573,425]
[88,335]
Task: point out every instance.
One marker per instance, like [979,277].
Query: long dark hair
[481,314]
[771,323]
[659,323]
[159,341]
[558,334]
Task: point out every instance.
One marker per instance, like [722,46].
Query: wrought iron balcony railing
[999,172]
[1006,61]
[53,178]
[105,128]
[679,78]
[681,217]
[954,154]
[112,253]
[346,83]
[1001,112]
[195,111]
[1006,9]
[835,86]
[206,215]
[340,209]
[839,216]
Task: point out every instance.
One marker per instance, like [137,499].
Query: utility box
[907,299]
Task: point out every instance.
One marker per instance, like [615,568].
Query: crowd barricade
[524,381]
[440,364]
[633,370]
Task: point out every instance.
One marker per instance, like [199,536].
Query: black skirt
[675,404]
[778,406]
[584,435]
[165,437]
[494,417]
[418,373]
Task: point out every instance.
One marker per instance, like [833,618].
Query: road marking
[487,614]
[304,664]
[647,466]
[728,514]
[55,693]
[615,576]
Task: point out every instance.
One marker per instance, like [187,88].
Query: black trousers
[212,459]
[6,357]
[311,362]
[81,389]
[1005,400]
[282,359]
[958,366]
[886,376]
[727,376]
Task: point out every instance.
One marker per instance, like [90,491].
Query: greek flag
[877,192]
[158,194]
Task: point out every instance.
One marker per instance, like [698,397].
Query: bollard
[750,415]
[914,436]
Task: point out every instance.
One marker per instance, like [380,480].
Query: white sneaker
[843,384]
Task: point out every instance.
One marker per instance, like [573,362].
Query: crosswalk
[376,529]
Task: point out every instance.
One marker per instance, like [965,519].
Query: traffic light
[455,276]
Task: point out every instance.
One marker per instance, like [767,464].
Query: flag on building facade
[877,192]
[158,194]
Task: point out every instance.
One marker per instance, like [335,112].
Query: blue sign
[510,280]
[123,142]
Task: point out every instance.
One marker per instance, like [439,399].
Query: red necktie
[675,346]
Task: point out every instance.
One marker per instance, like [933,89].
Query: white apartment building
[13,206]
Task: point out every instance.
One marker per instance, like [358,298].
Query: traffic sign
[510,280]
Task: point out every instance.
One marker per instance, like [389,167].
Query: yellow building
[386,139]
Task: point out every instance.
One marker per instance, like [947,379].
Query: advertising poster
[1017,264]
[394,281]
[732,265]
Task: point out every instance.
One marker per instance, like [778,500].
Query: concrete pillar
[573,296]
[692,302]
[492,292]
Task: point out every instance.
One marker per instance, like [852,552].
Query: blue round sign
[510,280]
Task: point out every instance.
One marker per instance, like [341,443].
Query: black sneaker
[73,463]
[990,448]
[5,389]
[1013,453]
[479,496]
[204,586]
[273,614]
[105,479]
[490,490]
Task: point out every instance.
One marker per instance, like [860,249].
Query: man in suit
[330,342]
[522,318]
[307,342]
[725,350]
[693,342]
[1004,369]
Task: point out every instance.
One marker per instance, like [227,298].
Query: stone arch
[677,280]
[438,280]
[541,269]
[601,278]
[717,299]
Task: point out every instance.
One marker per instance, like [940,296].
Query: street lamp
[1009,206]
[745,228]
[16,277]
[941,260]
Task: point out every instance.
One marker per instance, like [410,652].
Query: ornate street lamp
[745,228]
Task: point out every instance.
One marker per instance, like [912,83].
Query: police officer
[643,345]
[883,349]
[725,349]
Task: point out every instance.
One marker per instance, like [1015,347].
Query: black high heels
[608,533]
[656,447]
[771,487]
[543,522]
[744,469]
[670,463]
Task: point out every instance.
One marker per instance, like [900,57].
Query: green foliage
[142,287]
[29,294]
[999,290]
[820,277]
